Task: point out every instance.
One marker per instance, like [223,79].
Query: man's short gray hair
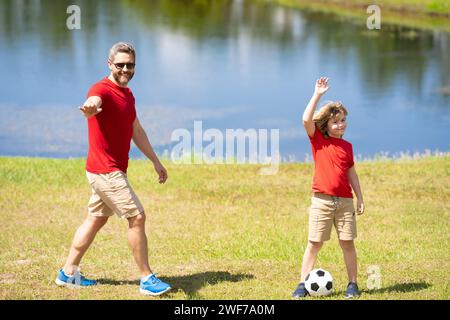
[121,47]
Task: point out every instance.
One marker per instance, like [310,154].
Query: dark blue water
[230,64]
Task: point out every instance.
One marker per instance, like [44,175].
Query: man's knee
[137,221]
[346,244]
[97,222]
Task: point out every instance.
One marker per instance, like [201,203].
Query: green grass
[223,231]
[426,7]
[431,15]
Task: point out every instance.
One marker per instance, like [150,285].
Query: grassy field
[428,7]
[417,14]
[224,232]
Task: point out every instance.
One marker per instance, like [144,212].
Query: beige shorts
[111,193]
[328,210]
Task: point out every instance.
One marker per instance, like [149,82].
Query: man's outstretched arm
[91,106]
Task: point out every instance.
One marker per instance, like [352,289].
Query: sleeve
[98,90]
[317,136]
[134,115]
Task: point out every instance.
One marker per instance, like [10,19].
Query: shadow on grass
[118,282]
[397,288]
[190,284]
[400,287]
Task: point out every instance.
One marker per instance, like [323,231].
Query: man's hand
[91,107]
[360,207]
[161,171]
[321,86]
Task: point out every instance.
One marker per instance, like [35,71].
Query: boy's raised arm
[320,89]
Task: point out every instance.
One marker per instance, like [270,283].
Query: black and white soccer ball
[319,282]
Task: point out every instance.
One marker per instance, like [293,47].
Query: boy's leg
[345,223]
[349,251]
[137,240]
[309,258]
[319,229]
[83,238]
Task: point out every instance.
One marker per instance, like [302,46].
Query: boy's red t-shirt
[333,158]
[111,130]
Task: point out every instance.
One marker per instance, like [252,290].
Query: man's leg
[138,243]
[82,240]
[150,284]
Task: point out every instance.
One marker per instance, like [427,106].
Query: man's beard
[117,77]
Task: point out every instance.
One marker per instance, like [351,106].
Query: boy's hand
[360,207]
[321,86]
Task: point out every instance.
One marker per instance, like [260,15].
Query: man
[112,123]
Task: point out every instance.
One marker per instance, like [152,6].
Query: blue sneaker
[151,285]
[352,290]
[300,292]
[75,280]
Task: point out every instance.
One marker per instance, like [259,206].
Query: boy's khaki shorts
[327,210]
[111,193]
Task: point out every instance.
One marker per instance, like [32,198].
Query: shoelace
[77,273]
[77,277]
[154,279]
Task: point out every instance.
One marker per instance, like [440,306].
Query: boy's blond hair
[328,111]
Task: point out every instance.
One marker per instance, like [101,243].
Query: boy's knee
[315,245]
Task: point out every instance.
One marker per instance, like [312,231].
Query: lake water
[230,64]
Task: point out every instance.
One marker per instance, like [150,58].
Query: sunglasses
[120,65]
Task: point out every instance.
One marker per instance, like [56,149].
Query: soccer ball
[319,282]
